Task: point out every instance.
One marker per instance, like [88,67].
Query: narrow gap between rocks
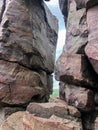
[55,9]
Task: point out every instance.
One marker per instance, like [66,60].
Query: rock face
[14,122]
[79,97]
[60,116]
[77,67]
[91,49]
[28,35]
[54,123]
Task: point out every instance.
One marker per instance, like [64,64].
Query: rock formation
[28,35]
[77,67]
[55,115]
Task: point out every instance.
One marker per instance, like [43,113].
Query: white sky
[54,8]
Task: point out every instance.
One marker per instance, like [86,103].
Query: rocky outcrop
[77,67]
[56,115]
[28,35]
[91,48]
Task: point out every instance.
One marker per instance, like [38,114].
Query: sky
[53,5]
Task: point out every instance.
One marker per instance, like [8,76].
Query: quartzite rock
[32,122]
[26,35]
[56,107]
[74,69]
[13,122]
[18,85]
[28,38]
[7,111]
[91,49]
[79,97]
[77,32]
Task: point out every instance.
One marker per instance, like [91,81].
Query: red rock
[13,122]
[18,85]
[56,107]
[79,97]
[74,69]
[91,49]
[32,122]
[24,32]
[76,33]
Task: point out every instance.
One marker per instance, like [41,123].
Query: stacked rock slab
[28,38]
[54,115]
[77,67]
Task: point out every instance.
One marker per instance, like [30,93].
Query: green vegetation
[55,93]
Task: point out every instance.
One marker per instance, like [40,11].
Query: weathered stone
[72,111]
[7,111]
[18,85]
[74,69]
[13,122]
[86,3]
[58,108]
[26,35]
[91,49]
[32,122]
[79,97]
[76,33]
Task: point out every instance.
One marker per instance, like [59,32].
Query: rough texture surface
[74,69]
[91,49]
[13,122]
[29,40]
[77,67]
[56,115]
[54,123]
[28,35]
[55,107]
[79,97]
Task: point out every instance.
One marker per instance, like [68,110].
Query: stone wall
[77,67]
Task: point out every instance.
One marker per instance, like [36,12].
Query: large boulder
[77,32]
[27,35]
[80,97]
[18,85]
[91,49]
[56,115]
[74,69]
[55,107]
[32,122]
